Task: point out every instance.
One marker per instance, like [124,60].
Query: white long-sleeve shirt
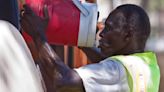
[17,69]
[106,76]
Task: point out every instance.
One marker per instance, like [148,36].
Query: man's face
[112,37]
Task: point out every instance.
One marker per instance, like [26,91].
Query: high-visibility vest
[142,71]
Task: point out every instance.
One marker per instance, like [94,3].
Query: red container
[71,22]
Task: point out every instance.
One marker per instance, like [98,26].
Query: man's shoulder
[109,59]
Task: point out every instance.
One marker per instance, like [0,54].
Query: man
[123,65]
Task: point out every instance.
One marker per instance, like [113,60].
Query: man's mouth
[103,44]
[100,44]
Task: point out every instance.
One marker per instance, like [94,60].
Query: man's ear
[128,35]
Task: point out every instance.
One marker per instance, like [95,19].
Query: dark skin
[116,39]
[58,77]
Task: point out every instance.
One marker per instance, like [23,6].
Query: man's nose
[102,33]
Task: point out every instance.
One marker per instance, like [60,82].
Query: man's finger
[28,10]
[45,12]
[21,13]
[24,25]
[28,19]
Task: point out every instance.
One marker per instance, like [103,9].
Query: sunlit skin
[126,31]
[114,39]
[119,37]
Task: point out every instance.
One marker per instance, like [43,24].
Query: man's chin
[105,54]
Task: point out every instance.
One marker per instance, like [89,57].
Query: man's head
[126,31]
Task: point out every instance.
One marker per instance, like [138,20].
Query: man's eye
[108,28]
[105,29]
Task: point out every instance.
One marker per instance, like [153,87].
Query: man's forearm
[55,72]
[93,54]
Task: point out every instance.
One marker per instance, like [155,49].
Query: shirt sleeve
[17,68]
[106,76]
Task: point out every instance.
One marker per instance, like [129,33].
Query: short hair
[137,20]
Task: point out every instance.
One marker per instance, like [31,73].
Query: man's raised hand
[32,24]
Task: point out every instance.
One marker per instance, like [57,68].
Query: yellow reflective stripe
[141,82]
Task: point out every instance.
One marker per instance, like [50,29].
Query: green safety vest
[142,71]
